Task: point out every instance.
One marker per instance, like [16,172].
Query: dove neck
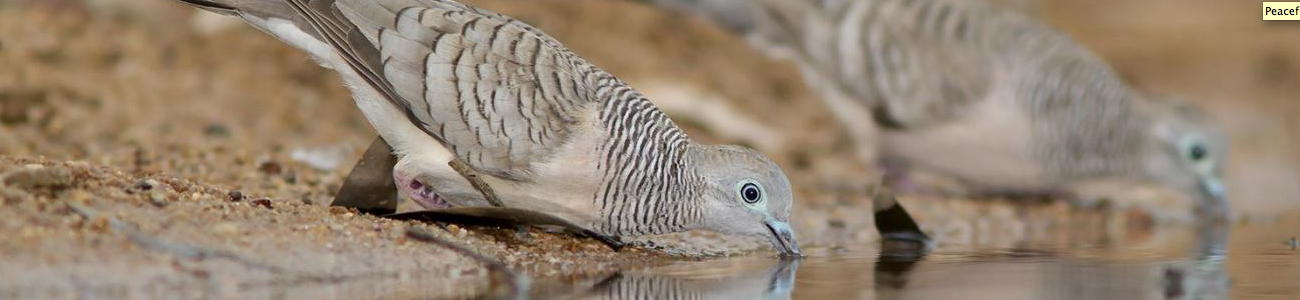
[656,192]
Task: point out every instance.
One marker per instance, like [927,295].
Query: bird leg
[473,177]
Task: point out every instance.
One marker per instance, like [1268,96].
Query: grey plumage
[984,94]
[539,128]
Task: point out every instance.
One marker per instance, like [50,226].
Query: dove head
[1188,153]
[746,193]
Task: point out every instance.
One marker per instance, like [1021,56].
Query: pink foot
[417,191]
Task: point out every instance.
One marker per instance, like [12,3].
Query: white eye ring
[1187,148]
[750,192]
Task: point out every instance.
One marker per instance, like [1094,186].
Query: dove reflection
[1019,273]
[775,282]
[1037,274]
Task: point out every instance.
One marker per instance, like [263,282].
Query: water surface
[1249,261]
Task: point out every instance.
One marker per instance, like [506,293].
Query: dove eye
[750,192]
[1197,152]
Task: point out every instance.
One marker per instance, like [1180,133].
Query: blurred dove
[483,110]
[985,95]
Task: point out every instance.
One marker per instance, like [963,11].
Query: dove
[1004,104]
[482,110]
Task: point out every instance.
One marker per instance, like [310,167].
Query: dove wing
[908,61]
[922,62]
[498,93]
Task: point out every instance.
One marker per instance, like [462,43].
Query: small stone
[836,223]
[270,167]
[264,202]
[142,185]
[306,199]
[157,199]
[216,130]
[235,196]
[338,210]
[147,184]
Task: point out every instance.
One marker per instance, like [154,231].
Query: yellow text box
[1281,11]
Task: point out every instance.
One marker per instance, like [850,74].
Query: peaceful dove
[985,95]
[482,110]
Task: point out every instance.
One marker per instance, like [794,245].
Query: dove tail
[213,6]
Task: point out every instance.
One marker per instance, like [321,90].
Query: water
[1206,262]
[1258,259]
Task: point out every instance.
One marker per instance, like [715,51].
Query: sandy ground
[153,115]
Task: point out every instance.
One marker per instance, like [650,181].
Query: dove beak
[782,237]
[1213,190]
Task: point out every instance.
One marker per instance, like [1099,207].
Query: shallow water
[1207,262]
[1259,259]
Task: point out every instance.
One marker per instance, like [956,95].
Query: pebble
[263,202]
[157,199]
[216,130]
[270,167]
[143,185]
[235,196]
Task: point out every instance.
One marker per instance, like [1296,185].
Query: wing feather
[497,92]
